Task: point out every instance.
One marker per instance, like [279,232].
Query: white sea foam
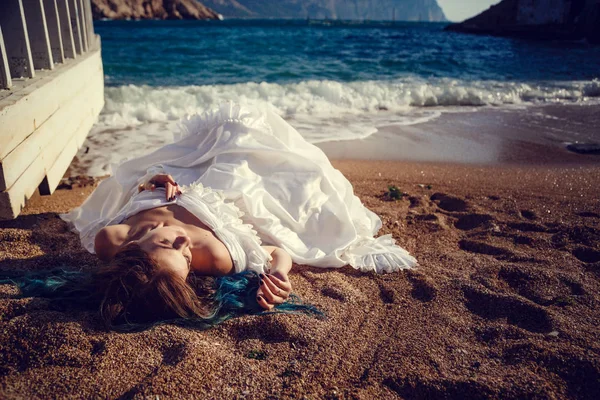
[137,119]
[592,89]
[132,105]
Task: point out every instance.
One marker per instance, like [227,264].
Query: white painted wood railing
[51,93]
[37,34]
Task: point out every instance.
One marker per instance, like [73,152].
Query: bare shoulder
[221,258]
[108,240]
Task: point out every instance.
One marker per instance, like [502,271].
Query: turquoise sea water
[177,53]
[331,80]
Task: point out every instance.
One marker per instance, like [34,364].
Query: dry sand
[504,304]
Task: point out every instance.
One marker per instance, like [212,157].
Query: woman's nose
[183,241]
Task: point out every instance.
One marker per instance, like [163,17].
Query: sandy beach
[480,154]
[503,304]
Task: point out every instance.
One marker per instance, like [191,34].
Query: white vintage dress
[251,178]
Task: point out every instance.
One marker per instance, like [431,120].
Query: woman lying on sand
[239,195]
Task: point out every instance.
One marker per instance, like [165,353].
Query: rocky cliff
[151,9]
[376,10]
[538,19]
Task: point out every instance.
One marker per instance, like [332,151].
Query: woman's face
[170,247]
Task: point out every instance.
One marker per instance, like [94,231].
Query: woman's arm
[275,286]
[281,264]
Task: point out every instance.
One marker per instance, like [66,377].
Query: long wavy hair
[133,293]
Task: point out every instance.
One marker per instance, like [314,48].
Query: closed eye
[168,242]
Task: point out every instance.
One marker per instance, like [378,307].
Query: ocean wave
[329,110]
[592,89]
[132,105]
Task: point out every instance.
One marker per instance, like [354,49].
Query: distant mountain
[538,19]
[151,9]
[376,10]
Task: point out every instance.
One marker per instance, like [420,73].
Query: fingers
[170,190]
[272,293]
[174,191]
[171,187]
[163,179]
[263,303]
[169,179]
[283,284]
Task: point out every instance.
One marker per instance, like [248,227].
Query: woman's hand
[273,290]
[275,287]
[162,180]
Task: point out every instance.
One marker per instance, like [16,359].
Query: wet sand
[504,303]
[533,135]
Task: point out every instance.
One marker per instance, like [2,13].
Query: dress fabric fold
[284,188]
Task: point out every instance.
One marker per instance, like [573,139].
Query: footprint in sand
[424,288]
[499,253]
[474,246]
[527,227]
[588,214]
[579,372]
[427,217]
[387,294]
[98,347]
[577,235]
[175,353]
[416,201]
[334,293]
[417,386]
[587,255]
[494,334]
[518,312]
[541,287]
[450,203]
[472,221]
[269,329]
[520,239]
[528,214]
[432,222]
